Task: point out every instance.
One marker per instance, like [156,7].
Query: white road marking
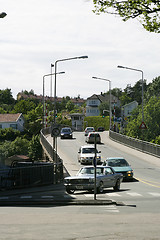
[155,194]
[134,194]
[113,194]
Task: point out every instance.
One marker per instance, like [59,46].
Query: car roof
[88,146]
[112,158]
[99,166]
[93,133]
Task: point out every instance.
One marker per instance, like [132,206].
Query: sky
[37,33]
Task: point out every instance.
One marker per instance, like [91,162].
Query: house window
[76,118]
[0,125]
[14,126]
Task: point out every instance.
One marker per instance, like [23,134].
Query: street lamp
[3,14]
[61,60]
[46,75]
[52,65]
[138,70]
[104,79]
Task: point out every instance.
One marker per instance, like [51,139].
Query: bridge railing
[52,154]
[150,148]
[30,175]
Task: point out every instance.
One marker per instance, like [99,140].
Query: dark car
[100,129]
[66,133]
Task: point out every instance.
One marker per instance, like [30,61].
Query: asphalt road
[137,218]
[144,191]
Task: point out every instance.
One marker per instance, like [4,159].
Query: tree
[23,106]
[18,146]
[69,105]
[153,88]
[151,118]
[35,149]
[33,120]
[9,134]
[104,106]
[145,11]
[6,97]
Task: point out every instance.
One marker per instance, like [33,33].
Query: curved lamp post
[61,60]
[107,80]
[138,70]
[46,75]
[52,65]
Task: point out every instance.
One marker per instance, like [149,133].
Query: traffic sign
[143,126]
[55,130]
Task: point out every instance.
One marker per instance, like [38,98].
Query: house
[93,102]
[15,121]
[77,121]
[128,108]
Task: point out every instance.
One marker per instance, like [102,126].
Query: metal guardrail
[30,175]
[150,148]
[51,153]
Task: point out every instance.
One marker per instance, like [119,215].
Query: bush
[96,122]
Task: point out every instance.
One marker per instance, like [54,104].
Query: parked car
[100,129]
[120,165]
[66,133]
[92,136]
[106,177]
[88,129]
[86,154]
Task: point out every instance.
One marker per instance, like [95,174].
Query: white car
[88,129]
[92,136]
[86,154]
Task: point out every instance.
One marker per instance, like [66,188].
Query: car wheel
[100,189]
[117,186]
[69,190]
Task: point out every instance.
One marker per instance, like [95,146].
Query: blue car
[120,165]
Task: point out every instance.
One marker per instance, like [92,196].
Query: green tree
[35,148]
[6,97]
[153,88]
[33,120]
[9,134]
[23,106]
[151,118]
[147,12]
[18,146]
[69,106]
[104,106]
[125,99]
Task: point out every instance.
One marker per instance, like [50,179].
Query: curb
[57,202]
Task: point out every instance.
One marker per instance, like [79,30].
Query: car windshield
[66,130]
[89,129]
[117,163]
[89,150]
[93,135]
[90,170]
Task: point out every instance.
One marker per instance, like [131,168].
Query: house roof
[9,117]
[103,97]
